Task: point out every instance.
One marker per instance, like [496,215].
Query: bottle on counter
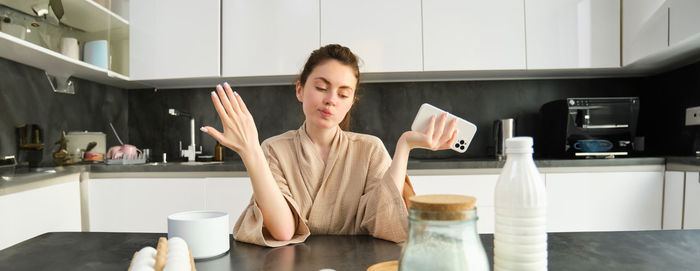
[443,235]
[520,236]
[219,152]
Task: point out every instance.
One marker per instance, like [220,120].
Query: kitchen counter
[23,179]
[683,163]
[641,250]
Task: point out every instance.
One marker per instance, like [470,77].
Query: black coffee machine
[30,144]
[589,127]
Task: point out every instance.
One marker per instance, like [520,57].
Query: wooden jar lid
[385,266]
[443,207]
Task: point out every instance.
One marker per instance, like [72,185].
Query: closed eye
[320,89]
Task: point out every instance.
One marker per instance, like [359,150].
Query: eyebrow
[328,82]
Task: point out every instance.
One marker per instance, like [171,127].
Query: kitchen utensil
[30,144]
[116,134]
[502,129]
[95,53]
[593,145]
[78,140]
[206,232]
[69,47]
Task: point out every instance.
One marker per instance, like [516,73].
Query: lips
[325,113]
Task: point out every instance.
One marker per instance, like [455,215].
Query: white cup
[206,232]
[69,47]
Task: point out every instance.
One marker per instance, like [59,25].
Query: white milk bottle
[520,238]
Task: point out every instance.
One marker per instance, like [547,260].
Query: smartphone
[465,129]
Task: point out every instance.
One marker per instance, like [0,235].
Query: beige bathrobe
[349,194]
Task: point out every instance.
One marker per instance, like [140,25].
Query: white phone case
[465,129]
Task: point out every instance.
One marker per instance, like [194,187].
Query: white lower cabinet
[674,184]
[143,204]
[481,187]
[691,218]
[604,201]
[230,195]
[26,214]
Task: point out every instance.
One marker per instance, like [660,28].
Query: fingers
[439,130]
[451,141]
[431,127]
[232,98]
[213,133]
[219,107]
[244,108]
[225,101]
[449,131]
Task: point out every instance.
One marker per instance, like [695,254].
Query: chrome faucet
[191,151]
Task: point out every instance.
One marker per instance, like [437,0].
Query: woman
[320,179]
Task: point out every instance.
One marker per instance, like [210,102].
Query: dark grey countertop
[413,164]
[687,163]
[640,250]
[237,168]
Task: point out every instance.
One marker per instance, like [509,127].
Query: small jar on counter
[443,235]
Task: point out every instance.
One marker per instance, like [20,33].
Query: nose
[330,98]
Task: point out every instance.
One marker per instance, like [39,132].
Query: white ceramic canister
[69,47]
[206,232]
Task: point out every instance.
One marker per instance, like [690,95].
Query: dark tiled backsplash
[384,110]
[27,98]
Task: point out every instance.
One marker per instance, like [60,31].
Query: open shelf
[54,63]
[85,15]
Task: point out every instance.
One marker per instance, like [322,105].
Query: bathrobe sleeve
[249,227]
[382,211]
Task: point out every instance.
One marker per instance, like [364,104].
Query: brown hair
[343,55]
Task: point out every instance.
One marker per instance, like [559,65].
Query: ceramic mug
[593,145]
[95,53]
[69,47]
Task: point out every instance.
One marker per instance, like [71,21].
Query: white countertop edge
[30,185]
[182,174]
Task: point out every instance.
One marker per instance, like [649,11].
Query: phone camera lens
[456,145]
[461,142]
[461,147]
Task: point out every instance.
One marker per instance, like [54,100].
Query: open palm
[240,133]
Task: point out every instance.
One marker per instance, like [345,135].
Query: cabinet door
[26,214]
[482,187]
[141,205]
[673,200]
[174,39]
[691,219]
[268,37]
[605,201]
[386,35]
[684,21]
[473,35]
[230,195]
[566,34]
[645,28]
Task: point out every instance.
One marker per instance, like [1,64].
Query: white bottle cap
[520,144]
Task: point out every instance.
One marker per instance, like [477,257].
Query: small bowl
[206,232]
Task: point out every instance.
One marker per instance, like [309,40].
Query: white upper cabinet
[691,219]
[174,39]
[473,35]
[684,20]
[268,37]
[386,35]
[645,28]
[567,34]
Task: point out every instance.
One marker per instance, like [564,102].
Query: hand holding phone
[465,129]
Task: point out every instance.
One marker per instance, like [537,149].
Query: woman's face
[328,93]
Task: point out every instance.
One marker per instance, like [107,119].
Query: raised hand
[240,133]
[436,137]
